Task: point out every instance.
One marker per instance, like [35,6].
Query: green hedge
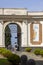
[37,51]
[41,52]
[5,52]
[15,59]
[28,49]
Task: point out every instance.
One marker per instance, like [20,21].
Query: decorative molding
[40,34]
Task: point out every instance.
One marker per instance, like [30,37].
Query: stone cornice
[13,17]
[20,17]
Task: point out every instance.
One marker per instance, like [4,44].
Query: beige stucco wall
[18,11]
[29,43]
[23,26]
[1,34]
[24,33]
[13,11]
[35,13]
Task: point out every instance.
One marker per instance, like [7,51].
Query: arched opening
[13,32]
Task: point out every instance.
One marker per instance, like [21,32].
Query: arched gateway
[15,30]
[30,26]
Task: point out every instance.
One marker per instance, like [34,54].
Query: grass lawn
[4,62]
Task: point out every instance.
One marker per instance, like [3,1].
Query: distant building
[30,26]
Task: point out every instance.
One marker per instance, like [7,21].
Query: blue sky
[31,5]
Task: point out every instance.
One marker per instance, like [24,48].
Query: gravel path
[29,55]
[38,59]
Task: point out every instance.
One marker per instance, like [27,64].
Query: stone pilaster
[2,44]
[24,34]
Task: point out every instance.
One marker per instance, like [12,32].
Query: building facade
[30,23]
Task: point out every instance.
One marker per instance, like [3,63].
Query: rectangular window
[36,33]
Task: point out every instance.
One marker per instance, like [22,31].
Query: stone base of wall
[23,48]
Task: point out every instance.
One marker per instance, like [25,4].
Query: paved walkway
[38,59]
[29,55]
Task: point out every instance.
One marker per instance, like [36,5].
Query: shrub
[1,50]
[5,52]
[28,49]
[37,51]
[41,52]
[15,59]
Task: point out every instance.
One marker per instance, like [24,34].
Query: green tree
[7,36]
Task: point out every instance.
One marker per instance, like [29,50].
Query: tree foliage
[7,36]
